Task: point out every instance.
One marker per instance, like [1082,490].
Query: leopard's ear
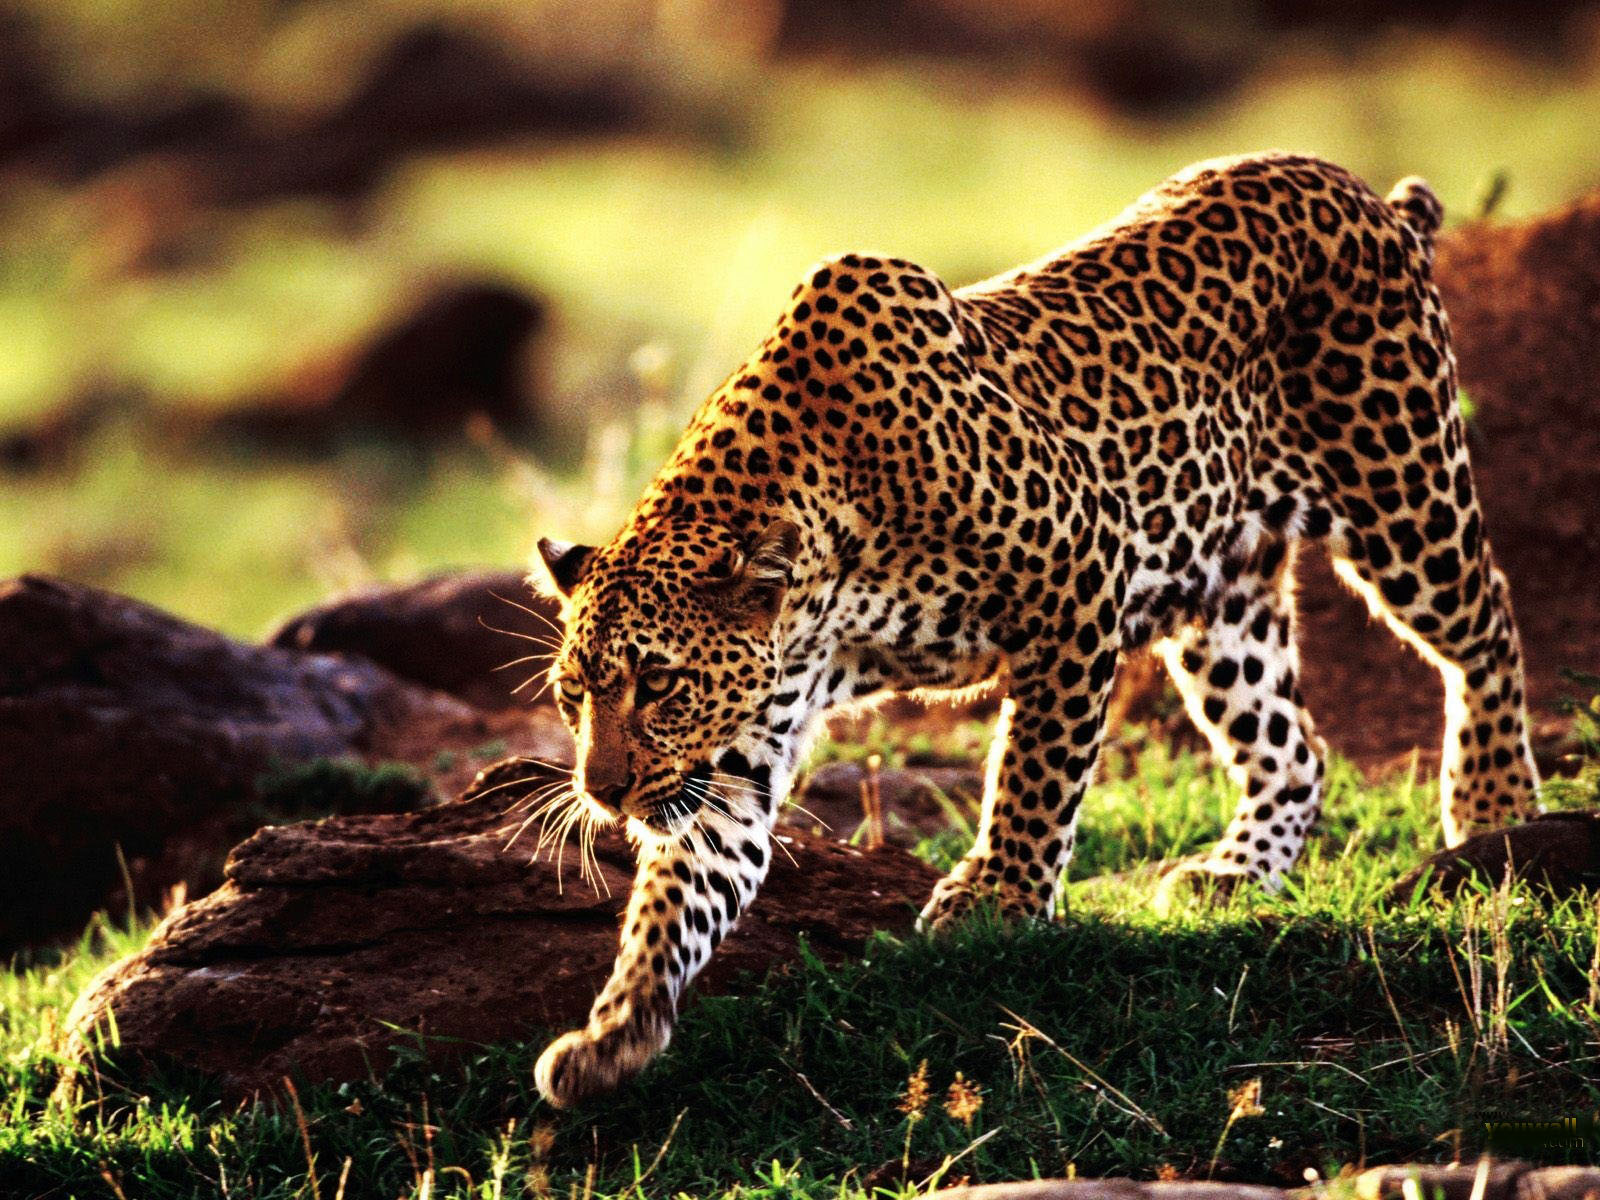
[564,565]
[756,581]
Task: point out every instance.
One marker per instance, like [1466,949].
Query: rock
[426,87]
[1111,1189]
[312,946]
[458,352]
[1558,851]
[1486,1179]
[1450,1181]
[1559,1183]
[463,351]
[436,85]
[444,632]
[35,441]
[830,798]
[130,735]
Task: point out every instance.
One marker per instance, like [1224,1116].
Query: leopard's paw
[954,898]
[951,901]
[1207,880]
[580,1065]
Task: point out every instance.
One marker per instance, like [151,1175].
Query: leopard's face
[669,661]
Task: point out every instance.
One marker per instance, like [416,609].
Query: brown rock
[458,352]
[1111,1189]
[463,350]
[1560,1183]
[1452,1181]
[435,85]
[297,963]
[452,632]
[1557,851]
[1507,1180]
[125,731]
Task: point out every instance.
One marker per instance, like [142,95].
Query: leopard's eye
[571,689]
[657,684]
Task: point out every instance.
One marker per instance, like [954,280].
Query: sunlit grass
[1113,1042]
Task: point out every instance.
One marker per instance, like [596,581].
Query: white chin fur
[641,834]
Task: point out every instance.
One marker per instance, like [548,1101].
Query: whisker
[508,784]
[564,768]
[537,615]
[538,802]
[715,800]
[532,679]
[517,833]
[565,829]
[596,878]
[537,639]
[763,790]
[555,817]
[739,779]
[540,793]
[518,661]
[806,812]
[773,838]
[567,771]
[545,808]
[778,842]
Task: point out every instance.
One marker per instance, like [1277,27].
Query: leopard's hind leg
[1452,604]
[1379,414]
[1238,672]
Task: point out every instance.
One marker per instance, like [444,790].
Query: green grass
[1108,1043]
[325,787]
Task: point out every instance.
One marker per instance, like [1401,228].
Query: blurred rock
[1557,852]
[300,961]
[449,632]
[128,733]
[1147,57]
[1126,52]
[459,352]
[436,85]
[465,351]
[50,438]
[44,126]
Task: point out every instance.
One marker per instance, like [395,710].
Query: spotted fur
[909,489]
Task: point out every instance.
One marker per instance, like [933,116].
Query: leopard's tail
[1419,208]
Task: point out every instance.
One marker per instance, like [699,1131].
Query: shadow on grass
[1112,1046]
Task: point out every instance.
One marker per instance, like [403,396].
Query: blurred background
[297,295]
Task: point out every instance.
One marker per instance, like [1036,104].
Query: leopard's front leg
[1046,742]
[687,894]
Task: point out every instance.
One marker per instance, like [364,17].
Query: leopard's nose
[611,792]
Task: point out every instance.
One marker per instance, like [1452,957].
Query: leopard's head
[669,659]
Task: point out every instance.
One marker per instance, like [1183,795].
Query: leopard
[1013,485]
